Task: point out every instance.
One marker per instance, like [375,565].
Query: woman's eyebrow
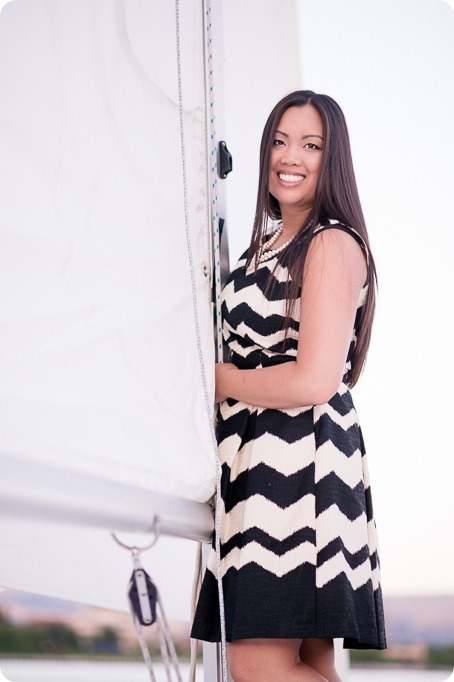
[303,138]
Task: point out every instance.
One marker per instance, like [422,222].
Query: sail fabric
[98,357]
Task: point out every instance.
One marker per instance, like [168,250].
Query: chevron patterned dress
[298,538]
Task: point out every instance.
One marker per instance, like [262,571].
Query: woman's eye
[278,143]
[311,145]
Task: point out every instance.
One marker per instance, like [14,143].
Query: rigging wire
[215,225]
[196,585]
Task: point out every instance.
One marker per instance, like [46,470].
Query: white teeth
[290,178]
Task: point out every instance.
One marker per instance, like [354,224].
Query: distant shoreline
[184,659]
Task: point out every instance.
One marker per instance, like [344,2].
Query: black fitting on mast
[224,160]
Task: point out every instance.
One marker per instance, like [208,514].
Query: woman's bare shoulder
[337,251]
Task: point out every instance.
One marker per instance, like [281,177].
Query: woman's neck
[292,221]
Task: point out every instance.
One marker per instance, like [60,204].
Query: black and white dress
[298,537]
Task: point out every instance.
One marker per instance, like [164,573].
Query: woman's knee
[319,654]
[244,661]
[258,660]
[241,664]
[238,662]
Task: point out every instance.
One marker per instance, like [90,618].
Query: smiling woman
[298,540]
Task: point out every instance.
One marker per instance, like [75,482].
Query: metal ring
[133,548]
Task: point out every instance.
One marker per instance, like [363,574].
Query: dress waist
[260,358]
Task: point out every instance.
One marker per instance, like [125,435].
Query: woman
[298,542]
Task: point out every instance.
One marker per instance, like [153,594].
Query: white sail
[100,376]
[98,353]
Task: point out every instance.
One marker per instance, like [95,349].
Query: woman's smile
[290,179]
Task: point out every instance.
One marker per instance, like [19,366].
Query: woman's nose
[291,157]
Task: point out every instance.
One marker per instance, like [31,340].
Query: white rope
[164,651]
[215,220]
[166,645]
[169,646]
[143,646]
[196,585]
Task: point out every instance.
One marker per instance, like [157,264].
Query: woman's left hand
[221,373]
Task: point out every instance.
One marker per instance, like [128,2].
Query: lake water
[88,671]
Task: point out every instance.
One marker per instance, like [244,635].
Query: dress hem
[350,641]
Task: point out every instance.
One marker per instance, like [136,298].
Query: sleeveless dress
[298,538]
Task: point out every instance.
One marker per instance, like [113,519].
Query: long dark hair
[336,197]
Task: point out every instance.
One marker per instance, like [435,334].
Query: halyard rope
[166,645]
[215,221]
[196,584]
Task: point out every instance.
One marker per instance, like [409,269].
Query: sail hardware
[224,160]
[146,608]
[133,548]
[214,292]
[142,594]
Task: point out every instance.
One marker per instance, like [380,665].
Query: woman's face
[296,158]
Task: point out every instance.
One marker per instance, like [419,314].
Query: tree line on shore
[59,639]
[437,657]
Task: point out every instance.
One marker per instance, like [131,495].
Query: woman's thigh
[269,660]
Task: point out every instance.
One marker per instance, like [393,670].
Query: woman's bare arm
[334,274]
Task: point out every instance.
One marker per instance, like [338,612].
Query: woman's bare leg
[270,660]
[319,655]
